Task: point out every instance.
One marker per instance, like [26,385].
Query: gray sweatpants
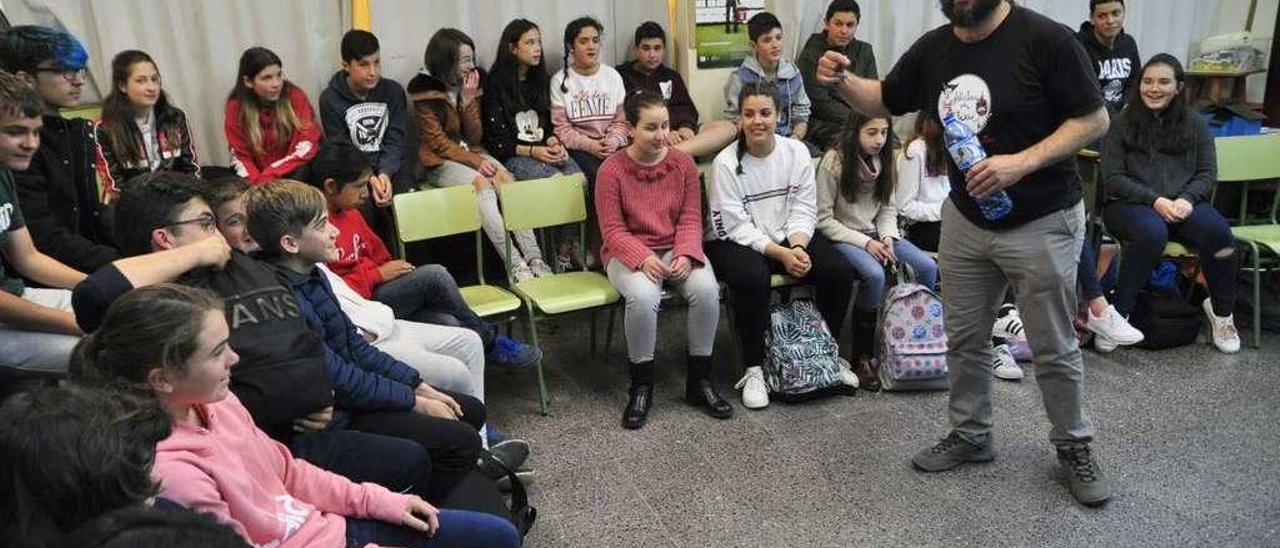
[36,350]
[643,297]
[1039,260]
[452,173]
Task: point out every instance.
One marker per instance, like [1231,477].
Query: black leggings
[452,445]
[747,275]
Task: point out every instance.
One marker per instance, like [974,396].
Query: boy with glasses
[58,190]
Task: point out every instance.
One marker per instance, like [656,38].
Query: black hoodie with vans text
[1117,66]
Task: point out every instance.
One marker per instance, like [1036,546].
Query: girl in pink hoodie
[172,342]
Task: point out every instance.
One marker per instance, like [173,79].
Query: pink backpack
[911,344]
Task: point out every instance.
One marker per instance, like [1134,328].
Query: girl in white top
[856,211]
[923,184]
[763,211]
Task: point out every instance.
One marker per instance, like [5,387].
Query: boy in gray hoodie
[766,63]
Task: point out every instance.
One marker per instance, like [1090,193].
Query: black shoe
[701,392]
[640,395]
[952,451]
[637,411]
[1084,477]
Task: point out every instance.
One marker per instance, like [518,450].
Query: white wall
[197,42]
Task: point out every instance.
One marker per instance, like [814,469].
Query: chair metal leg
[1257,295]
[543,397]
[593,333]
[608,333]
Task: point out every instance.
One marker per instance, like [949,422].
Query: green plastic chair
[1244,161]
[439,212]
[540,203]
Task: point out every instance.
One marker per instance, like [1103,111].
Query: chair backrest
[436,212]
[1248,158]
[545,202]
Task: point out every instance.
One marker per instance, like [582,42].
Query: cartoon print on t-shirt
[527,128]
[367,122]
[6,216]
[968,98]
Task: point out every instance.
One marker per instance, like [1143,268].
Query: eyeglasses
[66,73]
[205,222]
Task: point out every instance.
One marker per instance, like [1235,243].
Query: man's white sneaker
[1006,367]
[1113,327]
[1008,324]
[754,393]
[1223,330]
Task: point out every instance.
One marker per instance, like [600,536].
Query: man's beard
[971,16]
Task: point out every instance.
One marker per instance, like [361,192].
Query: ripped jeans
[1144,234]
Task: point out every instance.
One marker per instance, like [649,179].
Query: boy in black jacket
[58,192]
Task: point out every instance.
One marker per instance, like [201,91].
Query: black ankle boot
[701,392]
[641,395]
[864,340]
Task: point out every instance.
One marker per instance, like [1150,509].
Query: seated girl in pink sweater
[170,341]
[649,203]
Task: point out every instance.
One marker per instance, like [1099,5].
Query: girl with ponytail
[586,99]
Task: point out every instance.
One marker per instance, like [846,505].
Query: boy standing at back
[1113,52]
[830,110]
[648,72]
[766,63]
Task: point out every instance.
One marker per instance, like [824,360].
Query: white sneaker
[1223,330]
[1103,344]
[1006,367]
[1009,325]
[754,393]
[1113,327]
[521,271]
[846,374]
[539,267]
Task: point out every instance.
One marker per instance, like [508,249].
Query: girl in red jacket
[269,123]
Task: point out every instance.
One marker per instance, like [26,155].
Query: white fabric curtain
[198,42]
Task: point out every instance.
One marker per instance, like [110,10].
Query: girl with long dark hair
[140,131]
[1160,165]
[269,123]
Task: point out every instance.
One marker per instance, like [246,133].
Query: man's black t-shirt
[1014,88]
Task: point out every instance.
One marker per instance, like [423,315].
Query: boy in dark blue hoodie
[1114,53]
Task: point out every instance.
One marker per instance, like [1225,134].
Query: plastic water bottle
[967,151]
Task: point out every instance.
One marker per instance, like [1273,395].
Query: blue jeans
[430,295]
[871,273]
[1144,234]
[460,528]
[525,168]
[1087,274]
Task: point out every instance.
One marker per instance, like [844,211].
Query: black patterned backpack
[802,359]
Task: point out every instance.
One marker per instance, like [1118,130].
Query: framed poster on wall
[720,31]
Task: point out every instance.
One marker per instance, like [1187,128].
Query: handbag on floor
[1165,320]
[802,359]
[521,514]
[911,344]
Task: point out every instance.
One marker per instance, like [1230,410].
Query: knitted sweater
[646,208]
[850,222]
[232,470]
[591,109]
[772,199]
